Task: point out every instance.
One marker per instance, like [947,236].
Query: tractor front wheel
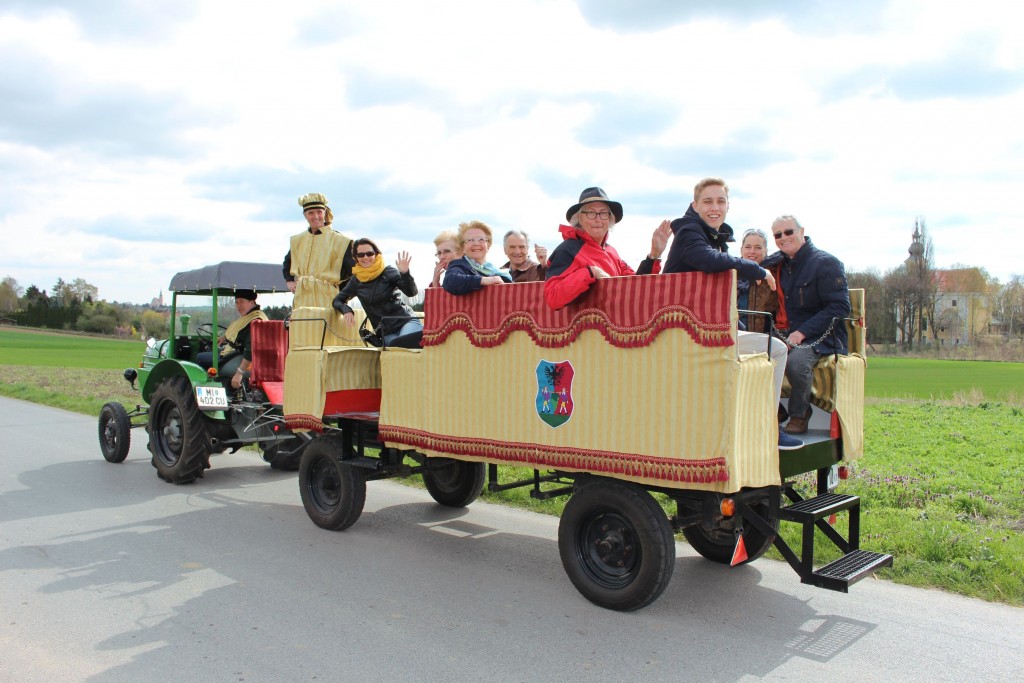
[115,432]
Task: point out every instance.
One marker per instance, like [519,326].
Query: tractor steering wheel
[205,331]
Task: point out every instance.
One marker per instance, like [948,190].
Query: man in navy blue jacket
[816,294]
[700,245]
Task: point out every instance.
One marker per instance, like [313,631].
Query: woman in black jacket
[377,287]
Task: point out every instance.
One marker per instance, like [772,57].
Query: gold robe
[316,265]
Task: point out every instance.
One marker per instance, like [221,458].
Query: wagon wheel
[333,492]
[616,545]
[718,544]
[178,438]
[115,432]
[454,483]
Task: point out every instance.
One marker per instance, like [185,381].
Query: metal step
[848,570]
[812,509]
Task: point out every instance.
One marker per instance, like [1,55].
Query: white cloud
[182,135]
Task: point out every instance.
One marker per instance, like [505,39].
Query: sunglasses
[787,232]
[365,254]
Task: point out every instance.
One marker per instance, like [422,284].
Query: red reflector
[832,519]
[844,472]
[834,430]
[276,428]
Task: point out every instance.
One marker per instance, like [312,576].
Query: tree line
[76,305]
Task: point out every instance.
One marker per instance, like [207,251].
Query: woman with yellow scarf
[377,287]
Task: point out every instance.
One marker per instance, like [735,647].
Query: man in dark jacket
[700,245]
[816,295]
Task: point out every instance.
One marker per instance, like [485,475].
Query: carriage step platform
[812,509]
[848,570]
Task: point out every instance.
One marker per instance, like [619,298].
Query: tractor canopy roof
[229,276]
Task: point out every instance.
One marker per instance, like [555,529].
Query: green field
[22,347]
[943,379]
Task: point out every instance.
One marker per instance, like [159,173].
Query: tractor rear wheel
[178,438]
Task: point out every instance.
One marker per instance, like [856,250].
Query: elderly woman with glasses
[473,271]
[447,245]
[584,256]
[377,287]
[756,295]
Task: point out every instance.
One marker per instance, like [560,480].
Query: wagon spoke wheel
[616,545]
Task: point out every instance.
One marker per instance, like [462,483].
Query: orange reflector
[211,372]
[832,519]
[844,472]
[727,507]
[739,553]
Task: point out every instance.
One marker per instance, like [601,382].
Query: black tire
[616,545]
[284,455]
[333,492]
[719,544]
[178,438]
[115,432]
[454,483]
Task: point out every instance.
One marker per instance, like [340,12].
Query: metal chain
[820,339]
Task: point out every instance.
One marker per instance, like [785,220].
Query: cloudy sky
[144,137]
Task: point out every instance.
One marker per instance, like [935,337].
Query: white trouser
[755,342]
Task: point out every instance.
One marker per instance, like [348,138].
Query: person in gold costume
[319,262]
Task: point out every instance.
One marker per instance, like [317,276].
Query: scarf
[371,273]
[487,268]
[236,326]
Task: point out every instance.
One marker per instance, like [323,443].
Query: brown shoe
[798,425]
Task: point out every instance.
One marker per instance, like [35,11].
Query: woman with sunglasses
[377,287]
[473,271]
[756,295]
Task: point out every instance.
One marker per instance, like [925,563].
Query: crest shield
[554,392]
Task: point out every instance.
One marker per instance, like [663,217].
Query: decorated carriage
[635,390]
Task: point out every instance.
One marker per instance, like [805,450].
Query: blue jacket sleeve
[460,278]
[697,255]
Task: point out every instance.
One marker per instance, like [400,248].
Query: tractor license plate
[211,398]
[833,477]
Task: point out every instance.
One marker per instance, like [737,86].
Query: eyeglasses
[444,251]
[365,254]
[475,240]
[787,232]
[603,215]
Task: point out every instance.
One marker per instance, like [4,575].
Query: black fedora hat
[595,194]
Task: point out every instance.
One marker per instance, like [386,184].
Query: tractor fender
[172,368]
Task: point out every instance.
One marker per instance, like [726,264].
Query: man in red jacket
[584,256]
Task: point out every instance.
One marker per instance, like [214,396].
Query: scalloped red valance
[628,311]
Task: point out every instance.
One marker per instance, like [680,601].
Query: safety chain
[820,339]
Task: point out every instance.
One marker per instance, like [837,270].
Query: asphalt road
[109,574]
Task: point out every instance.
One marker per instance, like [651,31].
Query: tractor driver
[236,342]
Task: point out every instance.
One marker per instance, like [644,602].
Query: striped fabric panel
[269,348]
[755,429]
[850,372]
[351,368]
[307,328]
[303,389]
[628,311]
[663,415]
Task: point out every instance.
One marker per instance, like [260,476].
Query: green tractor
[192,412]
